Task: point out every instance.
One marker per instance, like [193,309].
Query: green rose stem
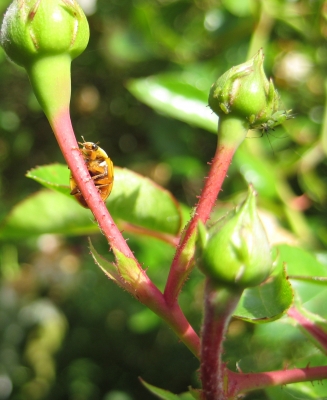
[231,133]
[262,28]
[44,37]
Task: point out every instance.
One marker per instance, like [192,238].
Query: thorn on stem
[238,368]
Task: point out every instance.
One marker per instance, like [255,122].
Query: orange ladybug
[100,168]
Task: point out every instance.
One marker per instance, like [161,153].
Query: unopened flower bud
[44,36]
[40,28]
[244,92]
[237,252]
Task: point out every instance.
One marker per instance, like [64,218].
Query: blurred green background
[66,332]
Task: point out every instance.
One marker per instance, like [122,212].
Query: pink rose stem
[182,265]
[240,383]
[63,130]
[219,306]
[219,383]
[180,268]
[313,329]
[151,296]
[165,237]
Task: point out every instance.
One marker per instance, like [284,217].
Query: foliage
[141,89]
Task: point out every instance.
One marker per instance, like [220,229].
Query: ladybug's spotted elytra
[100,168]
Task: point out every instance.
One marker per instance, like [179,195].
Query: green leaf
[139,201]
[109,268]
[47,212]
[165,394]
[169,95]
[130,272]
[257,170]
[299,391]
[53,176]
[196,393]
[134,199]
[267,302]
[301,263]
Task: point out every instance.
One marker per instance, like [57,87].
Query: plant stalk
[150,294]
[243,382]
[219,306]
[312,328]
[231,133]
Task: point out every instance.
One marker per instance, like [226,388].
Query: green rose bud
[44,36]
[39,28]
[237,252]
[244,92]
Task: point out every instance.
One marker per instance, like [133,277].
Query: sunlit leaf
[53,176]
[141,202]
[47,212]
[135,199]
[169,95]
[299,391]
[108,267]
[257,171]
[267,302]
[300,263]
[165,394]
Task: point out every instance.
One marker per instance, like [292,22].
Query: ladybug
[100,168]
